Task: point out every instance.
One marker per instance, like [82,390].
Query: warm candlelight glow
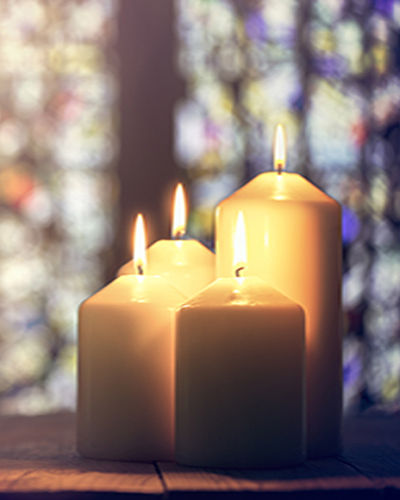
[239,245]
[179,213]
[279,149]
[139,246]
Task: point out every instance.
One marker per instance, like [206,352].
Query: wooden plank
[37,455]
[369,465]
[37,460]
[315,479]
[373,447]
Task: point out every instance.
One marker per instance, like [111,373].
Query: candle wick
[238,271]
[140,269]
[178,235]
[280,167]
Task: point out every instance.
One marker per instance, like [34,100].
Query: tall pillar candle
[240,376]
[294,244]
[126,369]
[185,263]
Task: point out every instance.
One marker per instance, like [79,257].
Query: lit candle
[240,373]
[294,244]
[126,366]
[187,264]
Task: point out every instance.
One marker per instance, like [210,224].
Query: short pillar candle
[126,369]
[240,395]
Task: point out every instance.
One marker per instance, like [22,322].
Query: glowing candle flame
[179,213]
[239,245]
[139,246]
[279,149]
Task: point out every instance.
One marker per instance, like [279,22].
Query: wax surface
[240,377]
[187,264]
[293,243]
[126,370]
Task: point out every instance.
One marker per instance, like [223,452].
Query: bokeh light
[330,71]
[58,94]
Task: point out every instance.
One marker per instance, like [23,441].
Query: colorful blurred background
[104,104]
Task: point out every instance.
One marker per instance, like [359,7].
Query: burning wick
[279,149]
[178,235]
[239,246]
[238,271]
[139,246]
[179,214]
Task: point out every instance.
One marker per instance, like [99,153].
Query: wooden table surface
[38,461]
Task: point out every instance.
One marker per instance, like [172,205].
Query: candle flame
[179,213]
[279,149]
[139,246]
[239,245]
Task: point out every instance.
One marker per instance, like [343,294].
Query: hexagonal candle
[185,263]
[294,244]
[240,396]
[126,364]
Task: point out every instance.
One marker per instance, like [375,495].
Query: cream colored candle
[126,369]
[187,264]
[240,376]
[294,245]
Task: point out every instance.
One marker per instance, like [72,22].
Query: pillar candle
[126,369]
[185,263]
[294,244]
[240,376]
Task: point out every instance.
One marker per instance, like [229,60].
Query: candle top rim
[284,187]
[196,244]
[240,292]
[167,250]
[133,288]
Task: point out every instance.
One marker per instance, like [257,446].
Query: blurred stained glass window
[57,187]
[330,71]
